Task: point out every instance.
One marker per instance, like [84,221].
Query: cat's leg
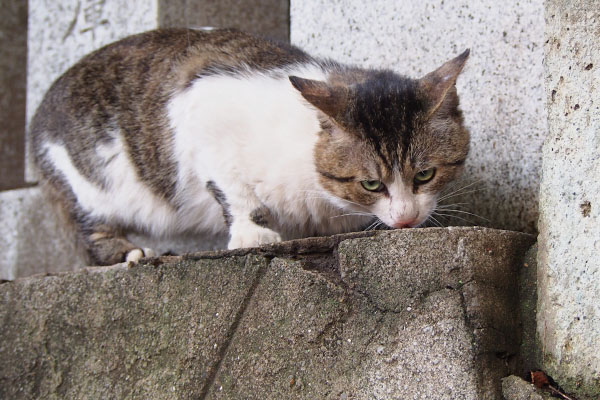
[107,245]
[247,218]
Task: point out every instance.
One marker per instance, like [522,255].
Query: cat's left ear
[435,85]
[332,100]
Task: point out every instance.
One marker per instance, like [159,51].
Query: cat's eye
[373,186]
[425,176]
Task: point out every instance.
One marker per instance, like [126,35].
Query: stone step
[393,314]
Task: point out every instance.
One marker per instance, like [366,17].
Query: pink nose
[404,223]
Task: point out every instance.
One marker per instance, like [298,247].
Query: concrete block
[294,320]
[501,89]
[32,238]
[148,332]
[569,241]
[530,344]
[13,61]
[457,291]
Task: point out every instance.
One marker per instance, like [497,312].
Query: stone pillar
[265,17]
[13,58]
[569,241]
[501,88]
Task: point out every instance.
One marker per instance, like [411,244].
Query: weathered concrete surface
[501,88]
[32,239]
[472,297]
[303,319]
[13,61]
[569,241]
[531,358]
[149,332]
[515,388]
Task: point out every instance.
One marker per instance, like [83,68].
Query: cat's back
[140,73]
[119,94]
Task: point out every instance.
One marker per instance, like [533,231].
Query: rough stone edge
[312,250]
[515,388]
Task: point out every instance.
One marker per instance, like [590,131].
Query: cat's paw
[251,235]
[136,254]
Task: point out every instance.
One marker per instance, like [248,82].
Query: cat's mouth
[403,222]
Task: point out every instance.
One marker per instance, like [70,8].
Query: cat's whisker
[445,206]
[371,225]
[448,213]
[454,216]
[441,199]
[356,214]
[433,220]
[376,226]
[377,223]
[437,222]
[454,184]
[462,190]
[460,193]
[468,213]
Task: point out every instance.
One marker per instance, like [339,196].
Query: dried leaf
[539,379]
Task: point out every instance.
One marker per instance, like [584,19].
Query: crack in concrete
[470,332]
[216,367]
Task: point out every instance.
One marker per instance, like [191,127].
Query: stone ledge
[302,319]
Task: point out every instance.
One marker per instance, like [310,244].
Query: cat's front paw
[137,254]
[251,235]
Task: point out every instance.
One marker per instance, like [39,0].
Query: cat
[177,131]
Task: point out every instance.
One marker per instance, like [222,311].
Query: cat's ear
[435,85]
[332,100]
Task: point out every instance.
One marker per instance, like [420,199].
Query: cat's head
[389,144]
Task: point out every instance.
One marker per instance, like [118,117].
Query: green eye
[425,176]
[373,186]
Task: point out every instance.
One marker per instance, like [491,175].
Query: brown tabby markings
[376,122]
[127,85]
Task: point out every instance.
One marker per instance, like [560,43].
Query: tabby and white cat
[183,131]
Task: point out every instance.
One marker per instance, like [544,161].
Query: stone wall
[13,56]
